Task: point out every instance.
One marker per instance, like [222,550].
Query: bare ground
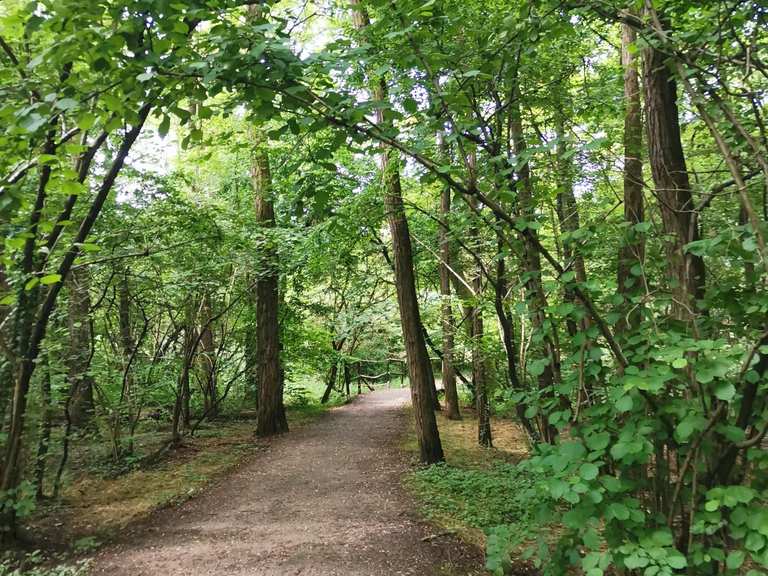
[325,500]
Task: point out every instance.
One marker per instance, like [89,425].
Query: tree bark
[330,381]
[537,300]
[673,189]
[448,370]
[207,361]
[45,433]
[479,368]
[81,403]
[568,217]
[271,417]
[419,365]
[632,251]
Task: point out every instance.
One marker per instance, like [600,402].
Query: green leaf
[679,363]
[625,403]
[735,559]
[725,391]
[677,560]
[588,471]
[50,279]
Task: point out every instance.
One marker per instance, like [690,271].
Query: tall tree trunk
[271,411]
[673,189]
[81,404]
[537,300]
[448,370]
[419,365]
[508,339]
[632,252]
[479,367]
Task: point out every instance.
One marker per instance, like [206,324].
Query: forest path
[324,500]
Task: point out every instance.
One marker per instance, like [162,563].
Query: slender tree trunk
[568,217]
[6,364]
[419,364]
[81,404]
[207,361]
[45,433]
[632,252]
[480,369]
[537,300]
[271,411]
[345,370]
[330,382]
[673,189]
[448,370]
[508,339]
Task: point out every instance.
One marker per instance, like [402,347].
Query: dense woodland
[556,210]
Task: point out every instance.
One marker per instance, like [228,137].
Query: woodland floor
[326,499]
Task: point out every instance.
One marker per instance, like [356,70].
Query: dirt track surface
[324,500]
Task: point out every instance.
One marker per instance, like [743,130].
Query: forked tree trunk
[632,252]
[673,189]
[419,365]
[271,411]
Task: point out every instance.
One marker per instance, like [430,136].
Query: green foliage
[500,500]
[35,564]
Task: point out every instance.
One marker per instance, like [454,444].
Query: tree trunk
[448,370]
[673,190]
[568,217]
[479,369]
[6,364]
[81,404]
[632,252]
[45,433]
[508,339]
[330,382]
[207,361]
[271,411]
[419,365]
[537,300]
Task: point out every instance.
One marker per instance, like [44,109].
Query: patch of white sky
[312,30]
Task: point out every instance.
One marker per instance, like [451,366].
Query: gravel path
[324,500]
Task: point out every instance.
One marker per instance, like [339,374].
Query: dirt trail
[324,500]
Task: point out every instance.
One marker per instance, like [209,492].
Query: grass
[477,492]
